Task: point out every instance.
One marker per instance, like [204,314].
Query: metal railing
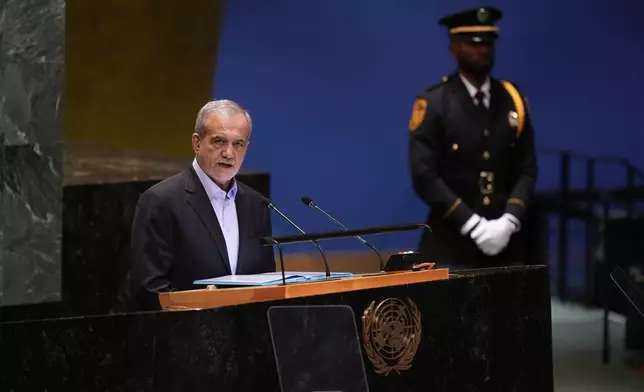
[590,197]
[582,204]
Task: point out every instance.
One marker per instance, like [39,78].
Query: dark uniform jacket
[466,160]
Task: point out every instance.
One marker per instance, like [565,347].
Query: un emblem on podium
[391,332]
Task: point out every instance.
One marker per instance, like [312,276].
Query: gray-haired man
[202,222]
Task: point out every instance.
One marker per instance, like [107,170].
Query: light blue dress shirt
[226,210]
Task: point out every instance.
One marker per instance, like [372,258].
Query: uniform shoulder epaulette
[420,104]
[519,104]
[441,83]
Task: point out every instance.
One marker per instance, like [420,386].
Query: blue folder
[270,278]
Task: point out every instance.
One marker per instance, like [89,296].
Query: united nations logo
[391,333]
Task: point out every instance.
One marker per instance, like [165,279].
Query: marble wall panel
[31,150]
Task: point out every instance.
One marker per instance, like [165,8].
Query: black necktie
[479,96]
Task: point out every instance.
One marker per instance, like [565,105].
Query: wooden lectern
[483,330]
[214,298]
[410,330]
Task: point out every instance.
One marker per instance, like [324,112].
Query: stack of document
[270,278]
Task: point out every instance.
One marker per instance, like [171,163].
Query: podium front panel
[317,348]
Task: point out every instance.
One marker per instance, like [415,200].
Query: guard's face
[476,58]
[221,151]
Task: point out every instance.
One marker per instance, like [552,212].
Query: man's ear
[196,142]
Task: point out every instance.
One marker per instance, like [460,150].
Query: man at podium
[201,223]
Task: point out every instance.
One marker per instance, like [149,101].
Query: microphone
[309,202]
[272,207]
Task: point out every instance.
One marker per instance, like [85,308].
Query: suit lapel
[198,199]
[241,201]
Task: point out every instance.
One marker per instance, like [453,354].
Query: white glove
[471,223]
[493,236]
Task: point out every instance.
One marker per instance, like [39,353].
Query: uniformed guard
[472,153]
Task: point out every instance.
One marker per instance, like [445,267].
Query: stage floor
[577,343]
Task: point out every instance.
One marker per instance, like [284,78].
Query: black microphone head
[308,201]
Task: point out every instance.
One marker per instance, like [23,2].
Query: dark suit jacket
[176,238]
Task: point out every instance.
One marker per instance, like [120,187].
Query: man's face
[475,58]
[221,151]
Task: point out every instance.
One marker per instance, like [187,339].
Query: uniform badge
[482,15]
[418,114]
[513,119]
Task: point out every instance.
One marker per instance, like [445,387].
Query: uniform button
[486,133]
[486,201]
[454,147]
[489,187]
[486,155]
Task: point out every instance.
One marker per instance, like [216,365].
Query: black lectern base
[489,330]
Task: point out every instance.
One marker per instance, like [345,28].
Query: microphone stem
[286,218]
[382,264]
[326,264]
[330,217]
